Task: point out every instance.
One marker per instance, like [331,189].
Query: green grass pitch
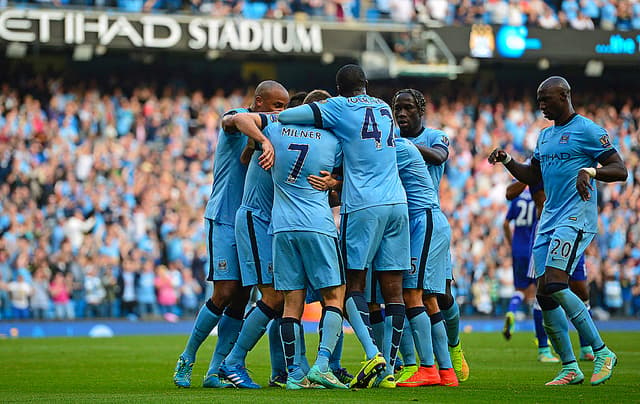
[139,369]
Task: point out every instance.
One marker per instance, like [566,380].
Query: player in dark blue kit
[375,220]
[224,270]
[566,159]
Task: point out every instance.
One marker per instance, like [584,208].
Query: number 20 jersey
[301,151]
[364,126]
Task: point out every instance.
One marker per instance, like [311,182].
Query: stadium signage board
[522,43]
[156,31]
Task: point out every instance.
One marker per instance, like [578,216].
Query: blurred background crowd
[550,14]
[102,193]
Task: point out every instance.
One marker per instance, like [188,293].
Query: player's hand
[499,156]
[324,182]
[268,155]
[583,185]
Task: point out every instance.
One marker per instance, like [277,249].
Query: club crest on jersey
[564,139]
[222,265]
[445,140]
[604,141]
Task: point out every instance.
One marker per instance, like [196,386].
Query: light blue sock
[407,345]
[207,318]
[579,316]
[358,312]
[421,330]
[228,331]
[304,362]
[377,326]
[254,327]
[557,327]
[276,354]
[393,327]
[331,330]
[452,322]
[439,338]
[336,355]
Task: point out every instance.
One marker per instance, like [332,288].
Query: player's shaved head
[351,80]
[269,87]
[316,95]
[270,96]
[556,83]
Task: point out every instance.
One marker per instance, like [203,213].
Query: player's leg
[374,300]
[391,261]
[254,253]
[566,245]
[421,226]
[224,272]
[578,285]
[359,235]
[521,283]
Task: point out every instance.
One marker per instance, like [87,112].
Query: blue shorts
[223,254]
[449,267]
[521,275]
[254,248]
[560,249]
[304,259]
[378,235]
[430,240]
[580,274]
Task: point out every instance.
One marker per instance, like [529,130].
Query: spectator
[94,293]
[40,301]
[147,291]
[19,292]
[166,291]
[59,289]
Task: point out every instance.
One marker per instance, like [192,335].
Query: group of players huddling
[269,224]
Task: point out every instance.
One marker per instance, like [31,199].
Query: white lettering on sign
[158,31]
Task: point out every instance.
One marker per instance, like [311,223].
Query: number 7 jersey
[301,151]
[365,128]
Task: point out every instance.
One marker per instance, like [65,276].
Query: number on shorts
[303,149]
[564,247]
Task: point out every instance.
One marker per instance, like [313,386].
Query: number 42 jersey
[364,126]
[301,151]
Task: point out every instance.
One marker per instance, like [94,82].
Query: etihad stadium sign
[156,31]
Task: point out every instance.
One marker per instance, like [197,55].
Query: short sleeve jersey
[228,176]
[364,125]
[433,138]
[258,186]
[561,152]
[301,151]
[417,183]
[522,211]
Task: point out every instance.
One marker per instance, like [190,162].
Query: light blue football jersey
[416,180]
[228,176]
[433,138]
[562,151]
[364,125]
[258,188]
[302,151]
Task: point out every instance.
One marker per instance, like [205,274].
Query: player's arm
[529,173]
[326,181]
[506,226]
[252,125]
[245,157]
[435,155]
[300,115]
[514,190]
[539,198]
[612,170]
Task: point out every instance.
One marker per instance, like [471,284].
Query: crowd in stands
[102,194]
[550,14]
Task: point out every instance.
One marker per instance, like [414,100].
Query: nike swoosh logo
[609,364]
[544,141]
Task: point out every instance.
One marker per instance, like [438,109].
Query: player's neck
[414,133]
[354,93]
[566,118]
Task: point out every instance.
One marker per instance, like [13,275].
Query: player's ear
[259,100]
